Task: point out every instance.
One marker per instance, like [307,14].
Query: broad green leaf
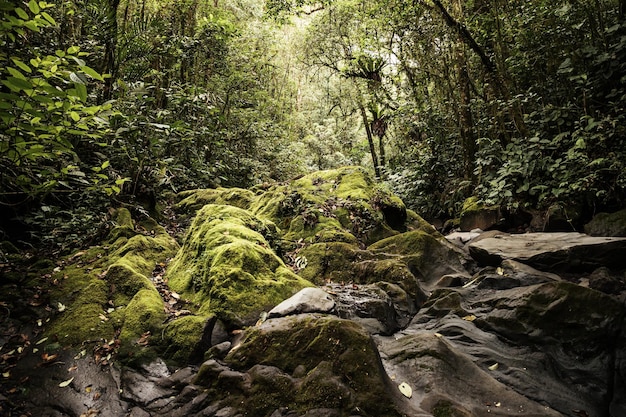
[91,72]
[14,72]
[73,50]
[22,65]
[32,26]
[81,91]
[75,116]
[33,6]
[48,18]
[21,13]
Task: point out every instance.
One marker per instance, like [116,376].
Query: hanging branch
[466,36]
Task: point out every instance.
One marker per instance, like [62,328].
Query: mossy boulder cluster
[388,319]
[105,295]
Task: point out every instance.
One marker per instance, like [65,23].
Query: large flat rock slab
[563,252]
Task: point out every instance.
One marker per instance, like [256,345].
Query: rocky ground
[321,297]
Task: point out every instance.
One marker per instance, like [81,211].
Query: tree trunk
[466,121]
[368,131]
[110,50]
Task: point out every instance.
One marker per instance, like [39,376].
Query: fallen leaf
[6,374]
[72,368]
[88,388]
[41,341]
[66,383]
[494,367]
[470,317]
[406,389]
[103,317]
[498,404]
[61,307]
[438,335]
[499,270]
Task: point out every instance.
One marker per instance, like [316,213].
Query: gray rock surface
[571,252]
[307,300]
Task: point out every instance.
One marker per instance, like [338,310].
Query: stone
[607,224]
[603,280]
[574,252]
[307,300]
[478,216]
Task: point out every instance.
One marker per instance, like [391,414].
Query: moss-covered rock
[106,292]
[343,204]
[193,200]
[335,361]
[475,215]
[227,267]
[607,224]
[428,256]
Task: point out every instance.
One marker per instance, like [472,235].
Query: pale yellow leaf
[66,383]
[494,367]
[406,389]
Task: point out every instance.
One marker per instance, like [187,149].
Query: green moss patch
[193,200]
[226,265]
[106,291]
[337,358]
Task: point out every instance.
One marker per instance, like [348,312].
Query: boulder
[319,361]
[573,252]
[475,215]
[607,224]
[307,300]
[550,343]
[227,267]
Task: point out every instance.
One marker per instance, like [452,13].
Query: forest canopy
[519,104]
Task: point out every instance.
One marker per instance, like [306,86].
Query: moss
[125,282]
[227,267]
[82,320]
[93,281]
[181,337]
[193,200]
[124,226]
[143,314]
[339,359]
[607,224]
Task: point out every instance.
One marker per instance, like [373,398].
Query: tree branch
[489,65]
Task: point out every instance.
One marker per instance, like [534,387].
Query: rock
[307,300]
[550,342]
[227,266]
[603,280]
[552,251]
[337,359]
[478,216]
[447,382]
[607,224]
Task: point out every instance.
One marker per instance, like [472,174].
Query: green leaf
[32,26]
[14,72]
[17,84]
[22,65]
[33,6]
[91,72]
[48,18]
[81,91]
[21,13]
[75,116]
[73,50]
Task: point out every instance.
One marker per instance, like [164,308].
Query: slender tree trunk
[368,131]
[110,50]
[466,121]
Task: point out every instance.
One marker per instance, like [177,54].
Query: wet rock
[552,251]
[554,343]
[602,279]
[478,216]
[607,224]
[307,300]
[142,387]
